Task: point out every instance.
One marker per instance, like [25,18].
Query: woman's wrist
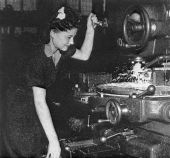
[54,141]
[90,31]
[53,138]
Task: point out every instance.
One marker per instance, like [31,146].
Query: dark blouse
[43,73]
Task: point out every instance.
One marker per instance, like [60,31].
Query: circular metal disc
[123,88]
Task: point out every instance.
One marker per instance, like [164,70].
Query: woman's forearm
[44,113]
[46,121]
[87,45]
[85,51]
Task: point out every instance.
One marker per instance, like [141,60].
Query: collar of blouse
[54,55]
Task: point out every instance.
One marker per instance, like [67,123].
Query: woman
[28,125]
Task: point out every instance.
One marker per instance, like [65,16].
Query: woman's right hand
[54,150]
[92,22]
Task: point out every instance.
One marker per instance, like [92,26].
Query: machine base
[147,145]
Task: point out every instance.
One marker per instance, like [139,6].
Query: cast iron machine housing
[135,116]
[143,105]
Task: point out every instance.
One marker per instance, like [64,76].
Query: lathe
[130,116]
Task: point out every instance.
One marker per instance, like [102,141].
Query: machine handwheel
[113,111]
[136,27]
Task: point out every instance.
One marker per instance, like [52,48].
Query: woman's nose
[71,41]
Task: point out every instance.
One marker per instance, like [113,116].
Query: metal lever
[164,57]
[150,91]
[125,133]
[88,121]
[100,121]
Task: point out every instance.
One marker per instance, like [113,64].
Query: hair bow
[61,15]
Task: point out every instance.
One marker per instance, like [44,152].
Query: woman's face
[63,39]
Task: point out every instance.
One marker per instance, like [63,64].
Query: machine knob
[103,139]
[67,148]
[151,90]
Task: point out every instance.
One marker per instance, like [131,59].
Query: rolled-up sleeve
[35,74]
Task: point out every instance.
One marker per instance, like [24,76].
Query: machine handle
[125,133]
[136,26]
[101,121]
[113,111]
[149,91]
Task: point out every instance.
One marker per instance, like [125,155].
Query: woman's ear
[52,33]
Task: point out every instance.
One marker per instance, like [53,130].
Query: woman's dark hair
[71,20]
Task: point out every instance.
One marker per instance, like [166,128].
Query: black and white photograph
[84,78]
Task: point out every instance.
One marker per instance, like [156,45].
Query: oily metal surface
[128,88]
[122,88]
